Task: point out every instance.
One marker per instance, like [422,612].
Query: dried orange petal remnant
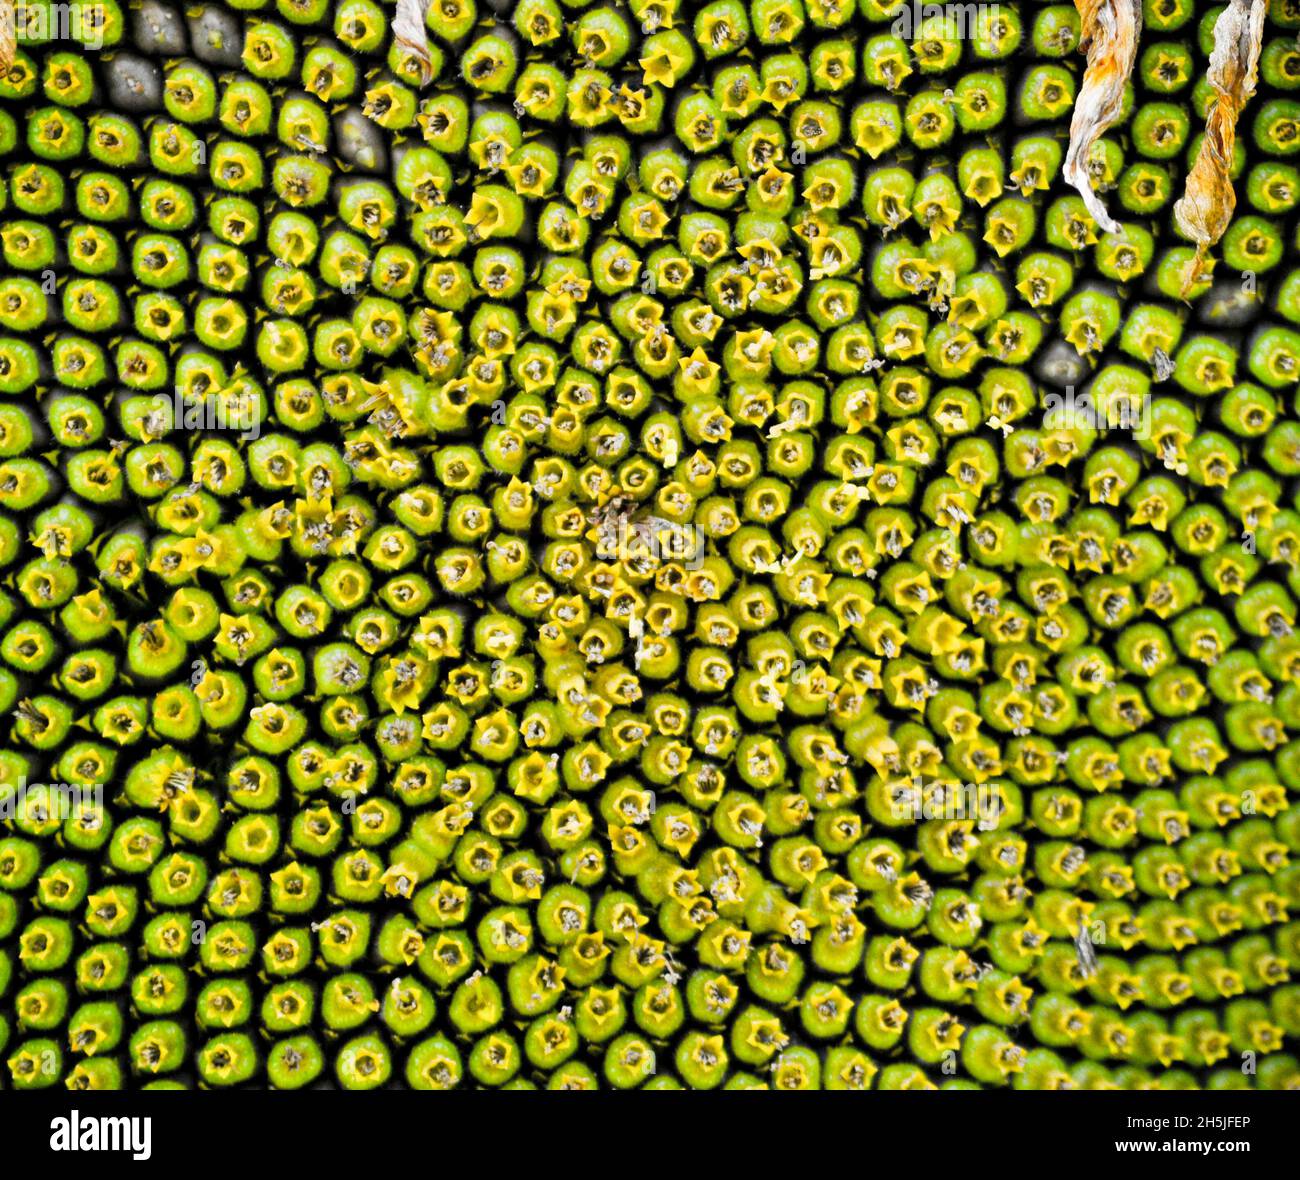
[8,34]
[1206,208]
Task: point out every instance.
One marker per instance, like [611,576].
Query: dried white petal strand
[410,31]
[1110,35]
[1234,61]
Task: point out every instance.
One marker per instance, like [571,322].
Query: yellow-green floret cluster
[583,543]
